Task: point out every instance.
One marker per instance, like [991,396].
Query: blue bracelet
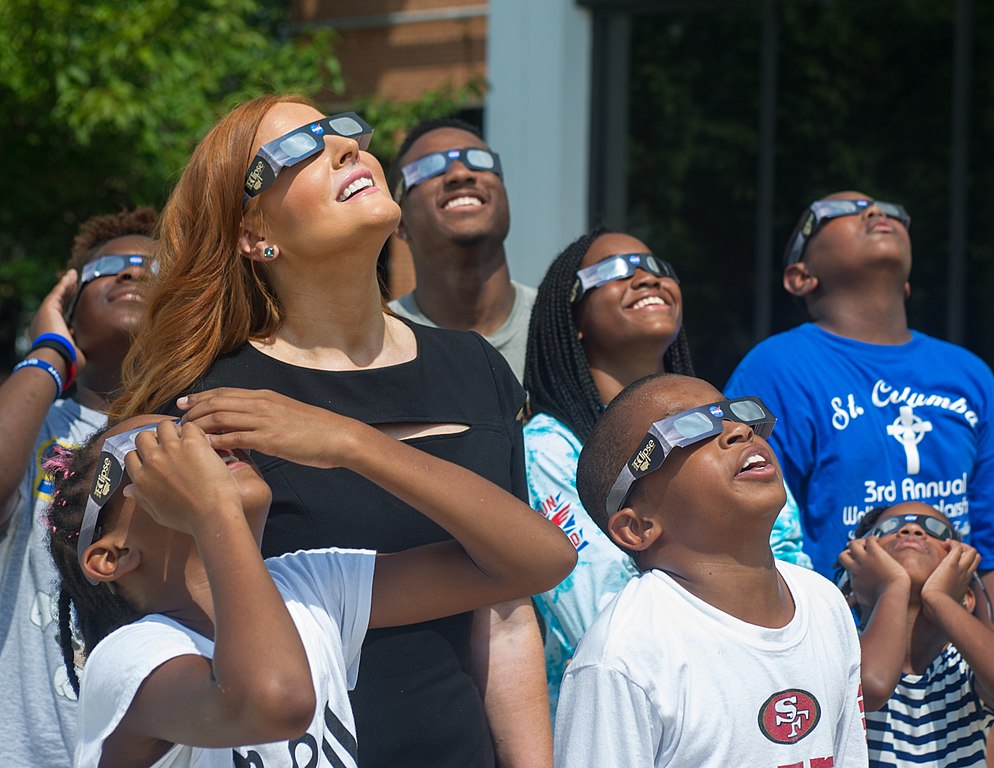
[34,362]
[70,354]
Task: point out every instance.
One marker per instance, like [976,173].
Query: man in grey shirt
[455,218]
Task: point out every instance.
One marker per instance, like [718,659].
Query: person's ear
[798,280]
[907,290]
[401,231]
[969,600]
[106,560]
[631,532]
[254,246]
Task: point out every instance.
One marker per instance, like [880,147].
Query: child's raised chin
[706,514]
[143,546]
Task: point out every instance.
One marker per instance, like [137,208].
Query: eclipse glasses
[619,266]
[105,266]
[821,211]
[429,166]
[298,145]
[685,429]
[110,473]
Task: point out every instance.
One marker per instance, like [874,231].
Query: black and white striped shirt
[933,719]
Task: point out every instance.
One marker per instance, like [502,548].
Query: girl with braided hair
[608,312]
[155,531]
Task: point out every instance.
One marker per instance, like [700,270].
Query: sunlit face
[317,206]
[643,309]
[109,308]
[730,480]
[461,205]
[911,544]
[851,245]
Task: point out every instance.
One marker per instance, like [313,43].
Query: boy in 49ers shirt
[716,655]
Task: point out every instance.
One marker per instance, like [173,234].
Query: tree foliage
[863,102]
[102,101]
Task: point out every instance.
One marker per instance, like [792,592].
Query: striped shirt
[934,719]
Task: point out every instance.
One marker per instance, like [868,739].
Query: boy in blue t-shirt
[874,413]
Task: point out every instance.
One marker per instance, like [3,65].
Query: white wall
[537,119]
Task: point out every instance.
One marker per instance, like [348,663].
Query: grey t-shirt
[38,725]
[510,339]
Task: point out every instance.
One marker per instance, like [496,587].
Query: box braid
[557,373]
[97,610]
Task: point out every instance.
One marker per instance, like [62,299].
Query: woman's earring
[269,252]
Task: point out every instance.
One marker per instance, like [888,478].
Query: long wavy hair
[206,300]
[557,372]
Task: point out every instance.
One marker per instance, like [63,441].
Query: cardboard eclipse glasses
[106,481]
[681,430]
[619,266]
[821,211]
[298,145]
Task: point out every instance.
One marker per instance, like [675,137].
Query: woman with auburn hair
[267,282]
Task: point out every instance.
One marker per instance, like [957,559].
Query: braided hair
[93,611]
[557,372]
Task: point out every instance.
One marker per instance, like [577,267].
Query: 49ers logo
[789,716]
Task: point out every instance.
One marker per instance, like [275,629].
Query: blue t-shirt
[869,425]
[602,569]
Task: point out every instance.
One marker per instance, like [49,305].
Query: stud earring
[269,252]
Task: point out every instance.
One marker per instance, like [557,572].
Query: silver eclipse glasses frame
[821,211]
[436,163]
[106,481]
[106,266]
[683,429]
[298,145]
[619,266]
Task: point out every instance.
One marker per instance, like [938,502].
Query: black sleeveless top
[415,703]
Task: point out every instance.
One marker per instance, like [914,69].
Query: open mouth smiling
[463,201]
[354,185]
[648,301]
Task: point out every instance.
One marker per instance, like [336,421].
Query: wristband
[59,343]
[34,362]
[57,347]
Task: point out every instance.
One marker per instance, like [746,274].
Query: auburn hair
[206,300]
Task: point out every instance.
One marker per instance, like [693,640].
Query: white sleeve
[338,582]
[116,669]
[604,719]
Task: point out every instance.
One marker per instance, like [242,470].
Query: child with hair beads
[928,661]
[195,646]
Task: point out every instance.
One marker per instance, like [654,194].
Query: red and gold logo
[789,716]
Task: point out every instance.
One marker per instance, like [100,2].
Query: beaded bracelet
[65,349]
[34,362]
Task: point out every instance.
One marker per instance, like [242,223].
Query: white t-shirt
[662,678]
[327,593]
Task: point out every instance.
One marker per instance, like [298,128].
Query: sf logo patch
[789,716]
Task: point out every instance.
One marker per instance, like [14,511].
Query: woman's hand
[951,577]
[872,570]
[50,317]
[178,478]
[265,421]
